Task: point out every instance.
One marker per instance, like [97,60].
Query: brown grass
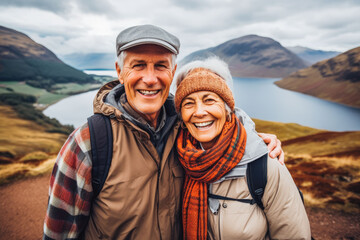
[325,165]
[15,171]
[20,137]
[25,147]
[284,131]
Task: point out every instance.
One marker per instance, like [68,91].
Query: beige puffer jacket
[284,216]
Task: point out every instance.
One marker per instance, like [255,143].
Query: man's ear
[118,71]
[174,70]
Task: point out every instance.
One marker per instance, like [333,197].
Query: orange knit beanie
[202,79]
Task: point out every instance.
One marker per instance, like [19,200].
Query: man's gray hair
[122,56]
[214,64]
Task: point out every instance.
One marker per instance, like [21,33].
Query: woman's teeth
[203,124]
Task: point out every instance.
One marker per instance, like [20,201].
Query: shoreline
[42,107]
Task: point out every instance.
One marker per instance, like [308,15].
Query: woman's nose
[200,110]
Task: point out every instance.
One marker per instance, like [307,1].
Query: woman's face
[204,115]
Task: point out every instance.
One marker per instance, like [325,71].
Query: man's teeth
[146,92]
[203,124]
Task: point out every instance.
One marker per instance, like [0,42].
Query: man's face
[147,75]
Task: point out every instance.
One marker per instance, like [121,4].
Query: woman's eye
[209,100]
[187,104]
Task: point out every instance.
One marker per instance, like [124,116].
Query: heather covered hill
[325,165]
[253,56]
[336,79]
[23,59]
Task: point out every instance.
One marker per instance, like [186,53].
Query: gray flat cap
[146,34]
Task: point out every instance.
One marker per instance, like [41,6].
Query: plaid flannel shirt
[70,190]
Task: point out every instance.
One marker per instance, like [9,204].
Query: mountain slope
[90,60]
[23,59]
[253,56]
[312,56]
[336,79]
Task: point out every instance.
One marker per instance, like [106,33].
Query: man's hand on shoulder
[274,146]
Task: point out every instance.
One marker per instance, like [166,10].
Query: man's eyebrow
[162,62]
[136,61]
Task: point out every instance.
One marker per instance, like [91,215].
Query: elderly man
[141,197]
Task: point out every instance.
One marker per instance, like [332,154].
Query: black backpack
[101,148]
[101,139]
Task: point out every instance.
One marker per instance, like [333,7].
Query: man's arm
[70,190]
[273,144]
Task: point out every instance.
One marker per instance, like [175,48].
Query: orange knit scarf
[203,167]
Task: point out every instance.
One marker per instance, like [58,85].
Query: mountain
[252,56]
[90,60]
[23,59]
[336,79]
[312,56]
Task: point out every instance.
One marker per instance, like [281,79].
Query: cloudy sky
[91,26]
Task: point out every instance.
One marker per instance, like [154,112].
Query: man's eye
[161,66]
[209,100]
[140,65]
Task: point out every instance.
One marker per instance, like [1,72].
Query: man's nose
[149,76]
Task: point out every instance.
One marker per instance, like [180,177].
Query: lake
[259,97]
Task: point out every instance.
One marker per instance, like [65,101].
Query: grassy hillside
[25,146]
[325,165]
[27,137]
[44,97]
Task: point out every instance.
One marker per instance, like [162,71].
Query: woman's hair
[214,64]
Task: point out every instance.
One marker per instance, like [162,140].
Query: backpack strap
[256,177]
[101,140]
[250,201]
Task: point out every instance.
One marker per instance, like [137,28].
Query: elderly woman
[215,148]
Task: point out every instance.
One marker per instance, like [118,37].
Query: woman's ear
[228,116]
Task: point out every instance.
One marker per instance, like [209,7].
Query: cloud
[92,25]
[52,6]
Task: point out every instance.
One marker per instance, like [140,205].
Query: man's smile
[148,92]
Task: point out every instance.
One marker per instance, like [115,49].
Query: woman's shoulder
[275,169]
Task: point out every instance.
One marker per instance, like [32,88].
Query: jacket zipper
[219,223]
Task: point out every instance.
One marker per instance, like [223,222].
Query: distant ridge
[23,59]
[252,56]
[336,79]
[311,55]
[91,60]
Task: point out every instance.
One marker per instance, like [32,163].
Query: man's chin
[148,111]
